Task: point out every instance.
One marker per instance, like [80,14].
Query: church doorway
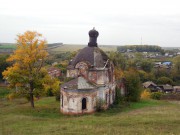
[84,103]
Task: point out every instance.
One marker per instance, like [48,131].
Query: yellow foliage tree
[145,94]
[27,73]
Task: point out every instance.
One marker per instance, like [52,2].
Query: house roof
[167,86]
[148,83]
[176,87]
[166,63]
[53,69]
[78,83]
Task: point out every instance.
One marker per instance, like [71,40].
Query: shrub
[118,97]
[145,94]
[156,95]
[57,95]
[99,104]
[49,92]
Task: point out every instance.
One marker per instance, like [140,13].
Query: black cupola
[93,34]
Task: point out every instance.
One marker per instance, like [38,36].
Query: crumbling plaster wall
[72,102]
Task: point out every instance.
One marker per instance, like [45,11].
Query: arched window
[84,106]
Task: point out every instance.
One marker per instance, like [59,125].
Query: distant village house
[54,72]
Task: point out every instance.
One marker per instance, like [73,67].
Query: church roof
[93,56]
[78,83]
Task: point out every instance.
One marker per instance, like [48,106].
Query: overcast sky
[119,22]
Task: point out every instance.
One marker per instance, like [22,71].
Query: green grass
[147,117]
[3,92]
[7,46]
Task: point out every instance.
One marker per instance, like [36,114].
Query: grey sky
[119,22]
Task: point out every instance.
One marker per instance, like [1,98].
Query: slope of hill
[7,46]
[71,48]
[142,118]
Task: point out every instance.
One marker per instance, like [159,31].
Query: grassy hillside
[57,47]
[7,46]
[71,48]
[144,118]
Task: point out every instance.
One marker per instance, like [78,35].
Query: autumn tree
[27,72]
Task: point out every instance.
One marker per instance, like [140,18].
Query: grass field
[62,48]
[7,46]
[71,48]
[143,118]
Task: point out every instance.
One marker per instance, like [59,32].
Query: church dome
[91,54]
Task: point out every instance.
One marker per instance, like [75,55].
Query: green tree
[161,72]
[176,70]
[3,64]
[118,60]
[133,85]
[27,72]
[146,65]
[164,80]
[177,64]
[141,48]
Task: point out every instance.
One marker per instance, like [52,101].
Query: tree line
[140,48]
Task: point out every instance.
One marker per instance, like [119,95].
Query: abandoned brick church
[93,79]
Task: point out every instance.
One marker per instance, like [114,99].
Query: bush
[57,95]
[49,92]
[145,94]
[100,104]
[117,96]
[156,95]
